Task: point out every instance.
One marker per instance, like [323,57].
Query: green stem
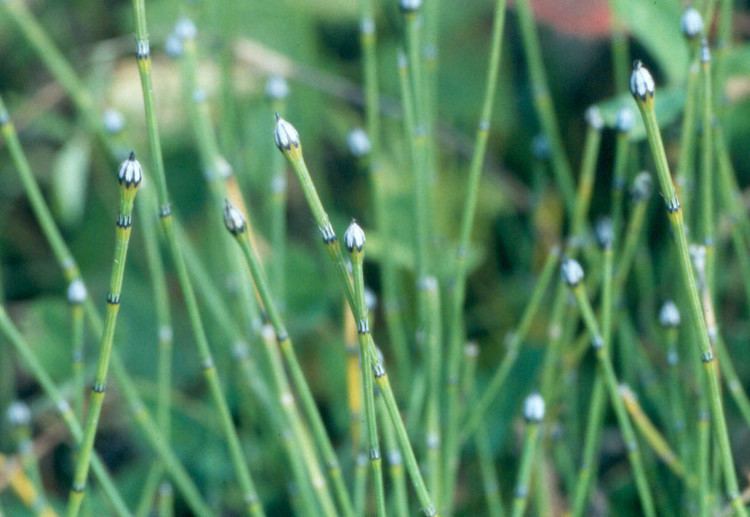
[71,272]
[457,291]
[363,329]
[128,190]
[391,303]
[521,494]
[543,103]
[606,369]
[26,352]
[293,153]
[143,57]
[308,402]
[598,404]
[395,462]
[675,216]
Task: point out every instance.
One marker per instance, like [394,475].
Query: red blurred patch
[582,18]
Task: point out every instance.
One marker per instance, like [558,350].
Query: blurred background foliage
[315,44]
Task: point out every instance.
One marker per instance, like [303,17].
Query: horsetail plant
[288,141]
[643,89]
[71,272]
[597,406]
[451,449]
[143,59]
[573,275]
[533,413]
[354,240]
[129,177]
[29,358]
[235,223]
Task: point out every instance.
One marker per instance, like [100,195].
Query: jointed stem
[363,330]
[296,160]
[457,293]
[71,272]
[308,402]
[675,216]
[25,351]
[143,56]
[605,367]
[96,401]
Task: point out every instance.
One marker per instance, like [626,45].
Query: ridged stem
[543,103]
[296,160]
[521,491]
[363,330]
[457,286]
[675,217]
[143,58]
[300,383]
[98,390]
[605,367]
[29,358]
[598,403]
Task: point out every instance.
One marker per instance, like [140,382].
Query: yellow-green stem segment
[675,216]
[128,189]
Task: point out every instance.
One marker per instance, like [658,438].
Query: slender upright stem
[675,216]
[391,302]
[521,493]
[598,404]
[543,103]
[287,140]
[686,161]
[482,439]
[605,365]
[707,163]
[29,358]
[70,270]
[395,461]
[457,291]
[287,349]
[130,177]
[363,329]
[651,434]
[143,57]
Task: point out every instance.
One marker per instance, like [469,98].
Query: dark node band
[99,388]
[165,210]
[378,371]
[328,234]
[707,357]
[673,205]
[78,488]
[124,221]
[142,49]
[113,299]
[282,336]
[363,327]
[374,454]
